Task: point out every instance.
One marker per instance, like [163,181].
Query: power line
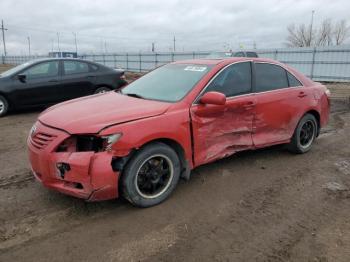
[3,29]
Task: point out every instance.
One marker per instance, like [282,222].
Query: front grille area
[41,140]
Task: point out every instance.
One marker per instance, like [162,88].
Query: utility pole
[3,29]
[311,25]
[58,43]
[75,41]
[28,44]
[105,47]
[174,44]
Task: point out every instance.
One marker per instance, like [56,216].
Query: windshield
[15,69]
[168,83]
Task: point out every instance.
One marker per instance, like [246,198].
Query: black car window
[75,67]
[94,68]
[270,77]
[42,70]
[234,80]
[252,54]
[239,54]
[293,81]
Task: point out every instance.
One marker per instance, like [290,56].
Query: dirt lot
[266,205]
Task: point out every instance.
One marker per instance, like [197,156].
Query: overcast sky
[132,25]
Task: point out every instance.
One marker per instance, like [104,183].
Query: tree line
[328,33]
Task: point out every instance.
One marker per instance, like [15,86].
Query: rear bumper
[89,176]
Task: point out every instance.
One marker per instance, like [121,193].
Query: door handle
[249,105]
[302,94]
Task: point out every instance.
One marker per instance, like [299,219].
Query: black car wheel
[102,89]
[4,106]
[151,175]
[304,135]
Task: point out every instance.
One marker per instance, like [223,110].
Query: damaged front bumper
[87,175]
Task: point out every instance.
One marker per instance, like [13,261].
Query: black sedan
[49,81]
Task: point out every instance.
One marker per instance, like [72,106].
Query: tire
[102,89]
[4,106]
[302,140]
[144,173]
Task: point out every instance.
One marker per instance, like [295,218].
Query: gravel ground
[265,205]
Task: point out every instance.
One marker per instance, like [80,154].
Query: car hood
[92,113]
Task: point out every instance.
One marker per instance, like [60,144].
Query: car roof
[58,58]
[228,60]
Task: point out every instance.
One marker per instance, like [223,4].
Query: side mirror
[22,78]
[213,98]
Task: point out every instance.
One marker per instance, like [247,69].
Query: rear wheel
[4,106]
[102,89]
[304,135]
[151,175]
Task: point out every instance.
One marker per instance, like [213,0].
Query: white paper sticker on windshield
[195,68]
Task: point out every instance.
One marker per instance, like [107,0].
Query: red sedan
[139,141]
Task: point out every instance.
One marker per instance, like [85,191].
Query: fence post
[313,63]
[115,61]
[127,62]
[276,54]
[172,56]
[193,55]
[104,59]
[156,60]
[3,59]
[140,61]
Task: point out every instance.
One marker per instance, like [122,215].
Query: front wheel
[304,135]
[151,175]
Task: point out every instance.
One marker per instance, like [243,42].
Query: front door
[219,131]
[40,84]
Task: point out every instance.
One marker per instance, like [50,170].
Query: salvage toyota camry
[139,141]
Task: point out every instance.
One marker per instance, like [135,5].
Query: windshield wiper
[133,95]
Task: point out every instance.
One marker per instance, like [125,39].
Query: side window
[270,77]
[239,54]
[42,70]
[75,67]
[292,80]
[94,68]
[252,54]
[234,80]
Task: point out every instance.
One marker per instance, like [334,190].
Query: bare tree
[341,32]
[299,36]
[326,34]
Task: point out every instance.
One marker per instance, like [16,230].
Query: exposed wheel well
[119,163]
[174,145]
[318,119]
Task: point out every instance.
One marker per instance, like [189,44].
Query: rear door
[40,86]
[219,131]
[77,79]
[281,99]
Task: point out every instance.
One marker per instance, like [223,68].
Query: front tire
[4,106]
[151,175]
[304,135]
